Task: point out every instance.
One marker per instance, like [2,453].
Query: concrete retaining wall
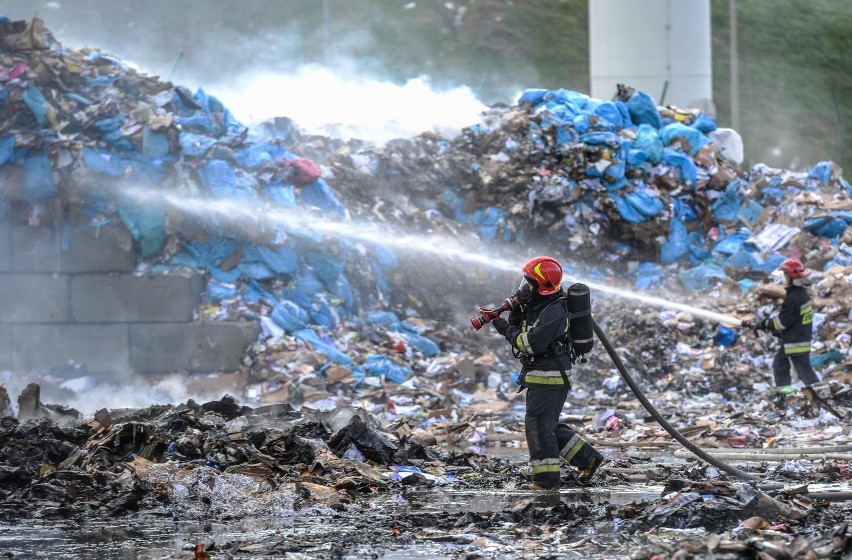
[69,295]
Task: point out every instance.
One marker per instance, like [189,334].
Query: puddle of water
[147,536]
[91,540]
[451,500]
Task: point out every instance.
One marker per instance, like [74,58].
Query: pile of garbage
[618,188]
[372,349]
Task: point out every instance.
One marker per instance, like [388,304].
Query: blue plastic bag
[224,182]
[677,244]
[826,226]
[730,244]
[694,138]
[304,287]
[155,145]
[381,365]
[326,266]
[488,221]
[701,277]
[217,291]
[323,314]
[684,210]
[743,259]
[727,206]
[647,275]
[283,195]
[427,346]
[212,252]
[697,246]
[37,182]
[643,109]
[323,347]
[105,162]
[822,172]
[319,194]
[145,224]
[610,113]
[255,270]
[387,319]
[37,104]
[343,291]
[7,148]
[725,336]
[532,96]
[599,138]
[770,263]
[281,259]
[626,211]
[681,161]
[649,142]
[704,123]
[750,211]
[820,360]
[644,203]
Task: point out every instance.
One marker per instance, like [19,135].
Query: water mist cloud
[323,101]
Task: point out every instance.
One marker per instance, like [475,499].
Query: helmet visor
[527,289]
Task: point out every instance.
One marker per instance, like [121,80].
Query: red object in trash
[304,172]
[613,423]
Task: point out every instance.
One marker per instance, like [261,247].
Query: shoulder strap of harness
[567,334]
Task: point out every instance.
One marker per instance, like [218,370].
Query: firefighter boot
[586,473]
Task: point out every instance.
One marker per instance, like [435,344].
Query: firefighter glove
[501,324]
[488,314]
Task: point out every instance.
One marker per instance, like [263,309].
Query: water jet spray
[244,214]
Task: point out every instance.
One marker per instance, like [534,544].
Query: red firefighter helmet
[794,268]
[547,274]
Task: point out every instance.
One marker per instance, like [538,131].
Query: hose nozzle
[487,315]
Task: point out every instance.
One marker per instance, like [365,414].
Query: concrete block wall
[70,295]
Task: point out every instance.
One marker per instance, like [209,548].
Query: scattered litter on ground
[367,386]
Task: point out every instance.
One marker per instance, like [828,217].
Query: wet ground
[405,522]
[271,482]
[151,535]
[148,536]
[328,534]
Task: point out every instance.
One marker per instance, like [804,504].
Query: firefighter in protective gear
[536,328]
[793,324]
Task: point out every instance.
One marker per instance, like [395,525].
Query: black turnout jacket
[534,328]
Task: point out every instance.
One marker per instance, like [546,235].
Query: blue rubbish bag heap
[656,190]
[613,188]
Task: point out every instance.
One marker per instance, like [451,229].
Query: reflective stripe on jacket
[532,332]
[794,321]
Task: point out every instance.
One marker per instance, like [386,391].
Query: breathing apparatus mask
[527,289]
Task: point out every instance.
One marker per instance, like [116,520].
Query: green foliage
[795,59]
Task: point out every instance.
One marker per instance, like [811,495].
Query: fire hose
[697,451]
